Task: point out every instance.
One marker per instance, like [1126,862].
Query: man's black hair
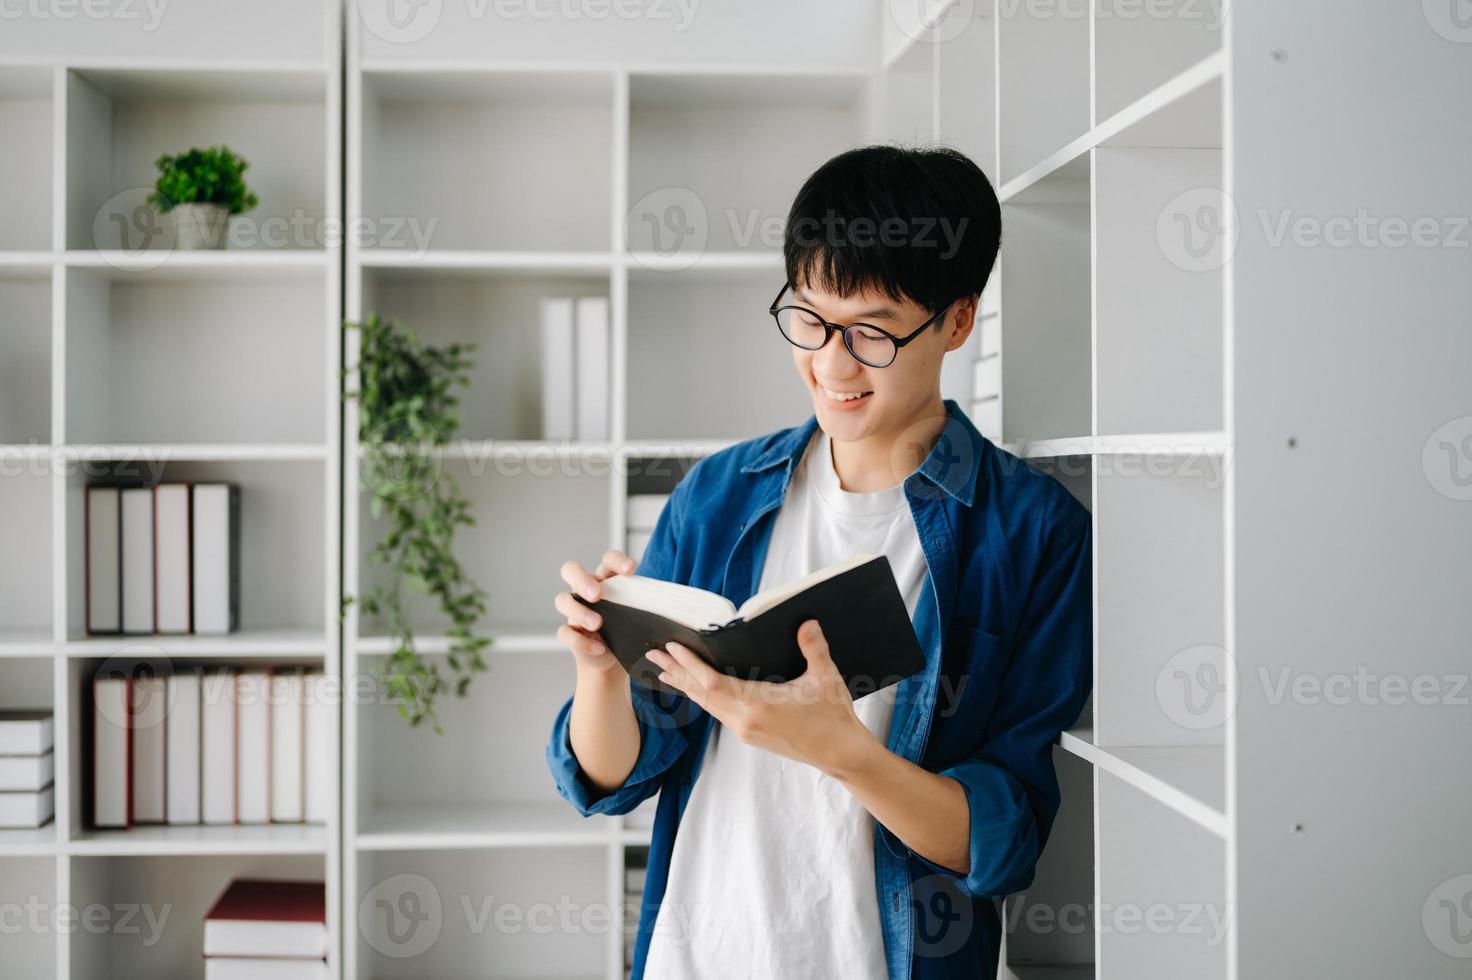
[918,224]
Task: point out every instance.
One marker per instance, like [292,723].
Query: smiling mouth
[843,396]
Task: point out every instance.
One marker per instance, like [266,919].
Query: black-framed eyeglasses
[868,344]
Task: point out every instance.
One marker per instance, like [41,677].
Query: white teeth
[843,396]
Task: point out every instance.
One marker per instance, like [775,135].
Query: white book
[149,713]
[317,739]
[183,751]
[111,703]
[104,576]
[137,561]
[25,731]
[171,557]
[643,510]
[215,557]
[217,747]
[27,809]
[558,404]
[253,746]
[260,968]
[591,358]
[27,772]
[288,706]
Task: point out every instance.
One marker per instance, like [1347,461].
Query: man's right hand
[580,634]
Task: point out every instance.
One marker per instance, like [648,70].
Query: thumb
[813,644]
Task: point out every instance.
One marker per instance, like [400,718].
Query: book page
[686,605]
[763,601]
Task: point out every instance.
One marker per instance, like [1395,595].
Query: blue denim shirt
[1005,621]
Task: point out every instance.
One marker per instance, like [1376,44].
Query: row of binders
[267,929]
[575,354]
[27,767]
[642,513]
[217,746]
[163,558]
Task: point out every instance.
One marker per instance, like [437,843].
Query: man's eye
[871,335]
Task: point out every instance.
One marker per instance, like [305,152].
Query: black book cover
[863,615]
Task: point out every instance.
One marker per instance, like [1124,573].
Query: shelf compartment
[498,913]
[430,140]
[120,121]
[707,345]
[1162,890]
[528,521]
[1190,779]
[26,529]
[1061,937]
[490,780]
[149,886]
[1163,675]
[1138,49]
[28,887]
[1045,311]
[498,310]
[26,166]
[1159,218]
[909,110]
[1044,83]
[1185,111]
[29,682]
[282,580]
[462,826]
[966,110]
[25,354]
[694,184]
[202,359]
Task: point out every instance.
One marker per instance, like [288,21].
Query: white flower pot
[200,225]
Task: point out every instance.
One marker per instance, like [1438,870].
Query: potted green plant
[408,413]
[200,190]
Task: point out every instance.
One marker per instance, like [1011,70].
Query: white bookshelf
[1203,410]
[123,357]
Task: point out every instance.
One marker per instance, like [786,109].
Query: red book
[265,918]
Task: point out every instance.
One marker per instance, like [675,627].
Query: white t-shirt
[772,872]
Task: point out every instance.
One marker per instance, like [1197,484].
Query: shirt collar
[951,465]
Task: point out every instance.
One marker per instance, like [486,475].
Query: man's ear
[960,321]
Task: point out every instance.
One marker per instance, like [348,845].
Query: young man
[800,833]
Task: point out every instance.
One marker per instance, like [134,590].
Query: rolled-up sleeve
[1010,783]
[663,718]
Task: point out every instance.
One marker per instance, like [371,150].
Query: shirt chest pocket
[976,663]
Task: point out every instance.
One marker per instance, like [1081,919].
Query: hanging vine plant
[408,412]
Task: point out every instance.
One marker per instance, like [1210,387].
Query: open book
[857,602]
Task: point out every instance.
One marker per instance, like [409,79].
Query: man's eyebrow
[877,313]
